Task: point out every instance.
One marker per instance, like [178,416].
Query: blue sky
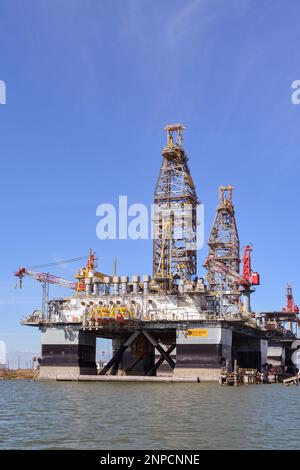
[90,86]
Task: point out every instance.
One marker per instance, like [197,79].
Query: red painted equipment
[250,277]
[247,279]
[290,306]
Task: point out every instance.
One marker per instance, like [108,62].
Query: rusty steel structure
[174,217]
[223,261]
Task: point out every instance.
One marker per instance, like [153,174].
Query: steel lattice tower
[174,218]
[223,260]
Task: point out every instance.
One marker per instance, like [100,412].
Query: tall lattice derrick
[223,261]
[174,218]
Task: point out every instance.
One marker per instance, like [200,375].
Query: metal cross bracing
[224,249]
[174,218]
[113,365]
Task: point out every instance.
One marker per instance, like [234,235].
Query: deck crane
[245,280]
[88,272]
[46,278]
[248,278]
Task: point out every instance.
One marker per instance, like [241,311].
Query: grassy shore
[26,374]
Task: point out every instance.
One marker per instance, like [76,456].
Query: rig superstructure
[175,202]
[172,322]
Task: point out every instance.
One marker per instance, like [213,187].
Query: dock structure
[292,380]
[172,324]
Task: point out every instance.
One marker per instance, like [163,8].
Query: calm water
[150,416]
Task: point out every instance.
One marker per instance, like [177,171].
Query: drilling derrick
[223,259]
[174,221]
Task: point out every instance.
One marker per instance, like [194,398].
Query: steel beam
[115,360]
[155,343]
[161,360]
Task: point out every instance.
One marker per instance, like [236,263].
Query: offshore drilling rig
[173,322]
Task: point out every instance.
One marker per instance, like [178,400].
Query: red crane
[247,279]
[250,277]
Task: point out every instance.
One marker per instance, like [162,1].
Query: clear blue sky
[90,86]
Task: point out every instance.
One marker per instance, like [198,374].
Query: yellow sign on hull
[198,332]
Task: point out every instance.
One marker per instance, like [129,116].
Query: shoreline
[17,374]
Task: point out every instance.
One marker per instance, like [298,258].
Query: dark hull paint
[68,355]
[198,356]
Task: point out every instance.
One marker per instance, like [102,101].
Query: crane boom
[48,278]
[232,275]
[58,263]
[247,279]
[45,279]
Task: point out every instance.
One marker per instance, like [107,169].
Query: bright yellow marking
[198,332]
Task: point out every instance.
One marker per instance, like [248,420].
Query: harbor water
[72,415]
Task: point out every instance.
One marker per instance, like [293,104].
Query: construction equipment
[250,277]
[89,271]
[246,280]
[236,280]
[50,278]
[47,278]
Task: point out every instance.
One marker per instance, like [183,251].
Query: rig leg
[67,351]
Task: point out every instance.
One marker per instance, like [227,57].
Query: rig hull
[152,348]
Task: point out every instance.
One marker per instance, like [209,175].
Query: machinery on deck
[174,291]
[242,283]
[207,320]
[45,279]
[286,320]
[290,306]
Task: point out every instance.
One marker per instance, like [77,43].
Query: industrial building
[171,322]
